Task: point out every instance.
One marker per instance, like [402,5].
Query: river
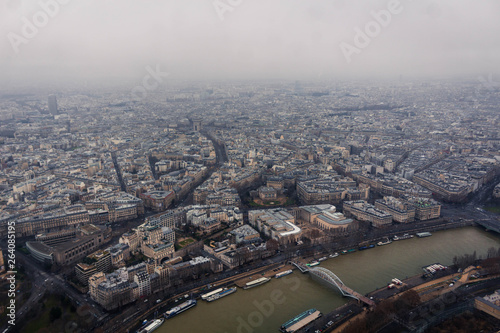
[265,308]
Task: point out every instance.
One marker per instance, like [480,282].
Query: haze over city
[200,40]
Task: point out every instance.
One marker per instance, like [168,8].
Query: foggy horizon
[246,40]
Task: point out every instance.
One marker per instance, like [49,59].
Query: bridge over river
[333,280]
[489,224]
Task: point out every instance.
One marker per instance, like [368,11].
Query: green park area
[53,315]
[185,242]
[283,201]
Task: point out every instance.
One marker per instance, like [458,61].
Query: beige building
[132,240]
[425,208]
[267,193]
[449,193]
[143,281]
[69,217]
[245,234]
[275,182]
[170,219]
[164,274]
[308,213]
[209,225]
[158,200]
[363,211]
[275,223]
[402,212]
[112,290]
[326,218]
[120,253]
[89,240]
[334,222]
[56,237]
[489,304]
[322,191]
[93,282]
[159,251]
[152,234]
[122,213]
[115,200]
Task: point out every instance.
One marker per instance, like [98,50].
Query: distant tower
[196,125]
[53,105]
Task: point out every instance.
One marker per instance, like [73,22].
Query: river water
[266,307]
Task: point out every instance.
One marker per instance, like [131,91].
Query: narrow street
[118,172]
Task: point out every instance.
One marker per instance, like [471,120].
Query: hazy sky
[247,39]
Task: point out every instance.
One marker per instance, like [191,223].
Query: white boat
[388,241]
[213,292]
[224,293]
[256,283]
[405,236]
[298,322]
[281,274]
[312,264]
[180,308]
[151,326]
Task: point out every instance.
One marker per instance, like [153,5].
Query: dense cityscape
[123,202]
[231,166]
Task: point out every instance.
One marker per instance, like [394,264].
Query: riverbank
[270,273]
[428,291]
[238,280]
[363,271]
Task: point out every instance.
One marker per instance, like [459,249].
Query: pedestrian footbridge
[489,224]
[333,280]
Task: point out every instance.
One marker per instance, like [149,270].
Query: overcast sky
[248,39]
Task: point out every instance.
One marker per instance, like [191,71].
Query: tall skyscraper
[53,104]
